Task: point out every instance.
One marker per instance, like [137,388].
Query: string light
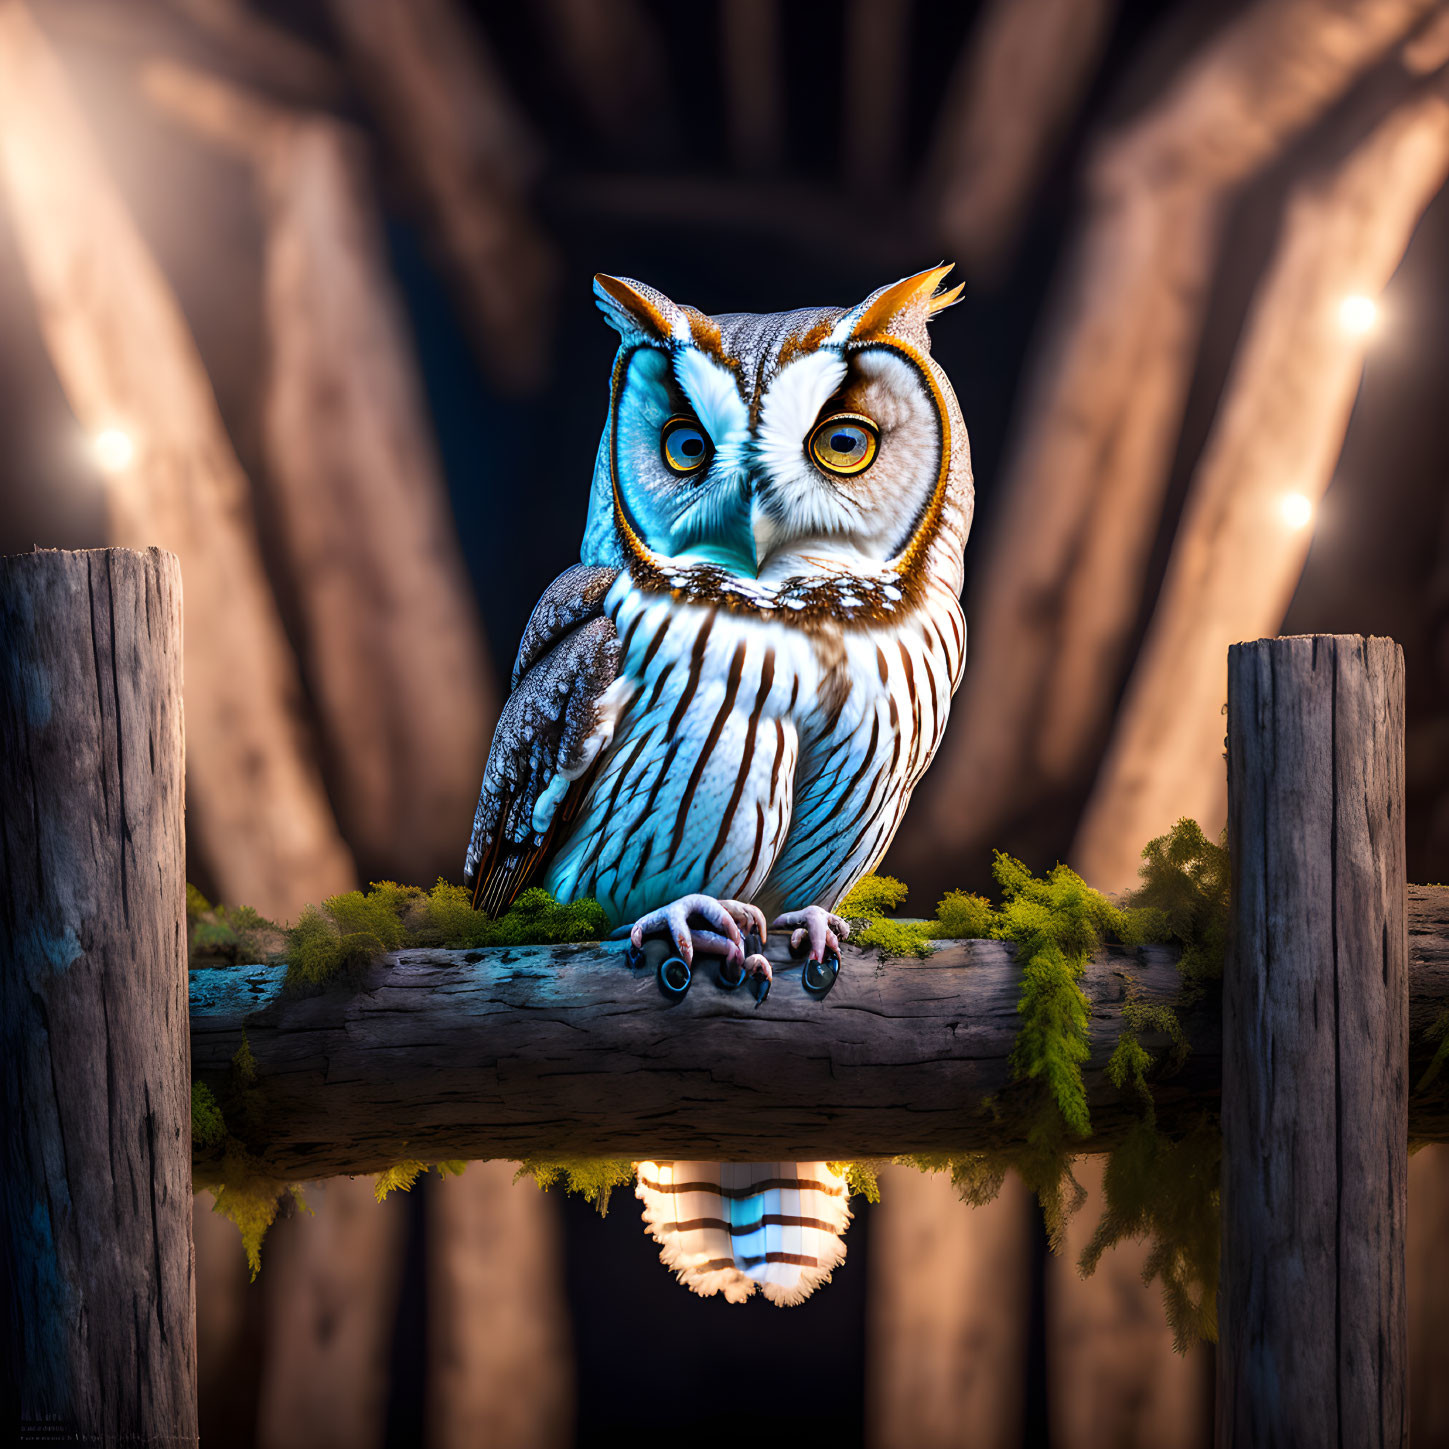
[1297,510]
[113,449]
[1358,314]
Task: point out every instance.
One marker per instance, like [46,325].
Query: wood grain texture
[1315,1027]
[95,1160]
[560,1049]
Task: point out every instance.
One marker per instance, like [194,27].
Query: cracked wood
[95,1161]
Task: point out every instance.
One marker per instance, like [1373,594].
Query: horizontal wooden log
[548,1051]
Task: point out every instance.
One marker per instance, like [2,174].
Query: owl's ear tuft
[633,309]
[901,309]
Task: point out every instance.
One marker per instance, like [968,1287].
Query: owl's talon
[634,957]
[732,974]
[749,918]
[761,976]
[822,929]
[717,935]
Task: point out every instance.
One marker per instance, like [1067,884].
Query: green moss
[248,1197]
[862,1179]
[1437,1030]
[402,1177]
[1167,1192]
[448,916]
[872,895]
[594,1178]
[221,935]
[208,1126]
[335,943]
[962,916]
[1058,923]
[1130,1061]
[321,953]
[397,1179]
[536,918]
[244,1064]
[377,912]
[1185,882]
[895,938]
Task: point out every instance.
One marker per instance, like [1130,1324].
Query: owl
[718,716]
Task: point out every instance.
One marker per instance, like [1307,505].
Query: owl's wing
[546,741]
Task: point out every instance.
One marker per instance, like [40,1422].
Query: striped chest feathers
[703,730]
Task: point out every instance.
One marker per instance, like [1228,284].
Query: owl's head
[820,441]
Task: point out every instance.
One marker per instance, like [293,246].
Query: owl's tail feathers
[733,1227]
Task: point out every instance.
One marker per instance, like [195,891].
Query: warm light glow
[1297,510]
[1357,314]
[113,449]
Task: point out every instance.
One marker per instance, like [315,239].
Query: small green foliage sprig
[402,1177]
[1166,1191]
[1183,899]
[226,935]
[593,1178]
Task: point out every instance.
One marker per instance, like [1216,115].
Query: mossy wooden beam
[563,1051]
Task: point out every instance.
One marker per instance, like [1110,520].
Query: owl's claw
[716,934]
[822,930]
[760,976]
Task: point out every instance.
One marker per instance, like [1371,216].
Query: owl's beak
[719,526]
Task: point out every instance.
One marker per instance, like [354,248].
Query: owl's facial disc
[850,443]
[681,459]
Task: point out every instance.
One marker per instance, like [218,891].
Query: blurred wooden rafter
[1279,430]
[258,815]
[1020,78]
[332,1282]
[874,96]
[1115,1379]
[466,155]
[227,33]
[948,1327]
[754,82]
[360,508]
[500,1366]
[1060,579]
[614,63]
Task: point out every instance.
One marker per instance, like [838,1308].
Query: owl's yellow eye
[684,446]
[845,443]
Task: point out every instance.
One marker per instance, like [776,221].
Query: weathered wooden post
[1315,1048]
[95,1157]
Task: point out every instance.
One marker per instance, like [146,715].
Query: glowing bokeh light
[113,449]
[1358,314]
[1296,509]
